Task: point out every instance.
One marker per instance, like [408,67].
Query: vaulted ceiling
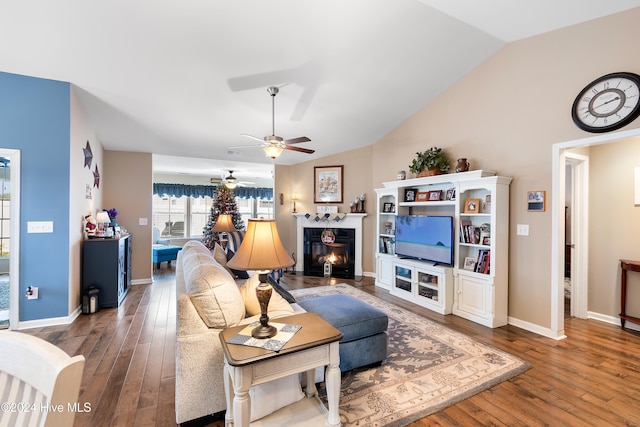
[188,78]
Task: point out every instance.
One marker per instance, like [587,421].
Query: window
[187,216]
[169,215]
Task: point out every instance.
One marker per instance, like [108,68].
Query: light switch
[40,227]
[142,221]
[522,229]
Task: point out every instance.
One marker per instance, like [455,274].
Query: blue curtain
[179,190]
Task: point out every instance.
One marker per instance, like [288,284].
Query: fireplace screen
[340,253]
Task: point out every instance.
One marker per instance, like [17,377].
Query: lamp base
[263,331]
[263,293]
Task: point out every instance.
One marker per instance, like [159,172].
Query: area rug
[428,368]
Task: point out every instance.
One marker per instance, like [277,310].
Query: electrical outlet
[32,292]
[522,229]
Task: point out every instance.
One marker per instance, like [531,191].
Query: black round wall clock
[608,103]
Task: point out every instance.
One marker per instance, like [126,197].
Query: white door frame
[558,158]
[14,241]
[579,233]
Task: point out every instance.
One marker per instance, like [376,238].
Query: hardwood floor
[592,378]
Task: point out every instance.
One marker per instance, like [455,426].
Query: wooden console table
[629,265]
[314,345]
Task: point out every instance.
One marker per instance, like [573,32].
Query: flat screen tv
[425,237]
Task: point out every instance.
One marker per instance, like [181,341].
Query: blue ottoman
[163,253]
[364,328]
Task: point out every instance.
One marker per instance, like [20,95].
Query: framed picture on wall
[328,184]
[536,201]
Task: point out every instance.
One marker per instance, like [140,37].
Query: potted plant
[430,162]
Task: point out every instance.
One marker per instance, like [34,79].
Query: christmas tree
[223,203]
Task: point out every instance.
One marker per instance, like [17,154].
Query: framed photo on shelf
[451,194]
[469,263]
[410,194]
[387,207]
[485,239]
[328,184]
[422,196]
[536,201]
[434,196]
[472,206]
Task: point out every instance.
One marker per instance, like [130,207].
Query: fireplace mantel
[349,220]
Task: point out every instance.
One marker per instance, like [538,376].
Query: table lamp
[261,250]
[224,224]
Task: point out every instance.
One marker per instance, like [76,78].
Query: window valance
[179,190]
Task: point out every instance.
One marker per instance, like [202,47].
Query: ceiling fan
[273,144]
[230,181]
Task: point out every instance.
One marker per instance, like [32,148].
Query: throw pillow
[212,290]
[238,274]
[251,304]
[273,395]
[282,291]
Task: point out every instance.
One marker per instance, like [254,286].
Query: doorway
[9,236]
[560,153]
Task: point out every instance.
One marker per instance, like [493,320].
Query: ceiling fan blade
[253,137]
[297,140]
[245,146]
[302,150]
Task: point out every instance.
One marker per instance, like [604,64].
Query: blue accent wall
[35,118]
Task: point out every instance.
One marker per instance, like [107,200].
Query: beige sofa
[208,300]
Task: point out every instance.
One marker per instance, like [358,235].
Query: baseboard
[142,281]
[53,321]
[537,329]
[531,327]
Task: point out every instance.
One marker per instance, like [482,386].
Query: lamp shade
[224,224]
[272,151]
[102,218]
[261,248]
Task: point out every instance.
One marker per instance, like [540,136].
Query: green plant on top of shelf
[432,159]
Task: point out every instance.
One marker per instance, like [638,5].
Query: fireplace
[340,253]
[334,222]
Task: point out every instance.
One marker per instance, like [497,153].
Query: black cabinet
[106,264]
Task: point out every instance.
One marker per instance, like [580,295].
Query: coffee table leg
[333,386]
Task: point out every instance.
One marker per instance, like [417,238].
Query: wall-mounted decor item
[472,206]
[88,156]
[536,201]
[96,178]
[607,103]
[327,184]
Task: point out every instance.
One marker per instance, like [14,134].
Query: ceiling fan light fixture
[273,151]
[231,181]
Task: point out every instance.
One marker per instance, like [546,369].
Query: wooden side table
[313,346]
[626,265]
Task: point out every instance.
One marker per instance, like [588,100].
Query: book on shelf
[470,233]
[483,262]
[387,246]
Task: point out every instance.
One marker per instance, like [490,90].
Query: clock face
[608,103]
